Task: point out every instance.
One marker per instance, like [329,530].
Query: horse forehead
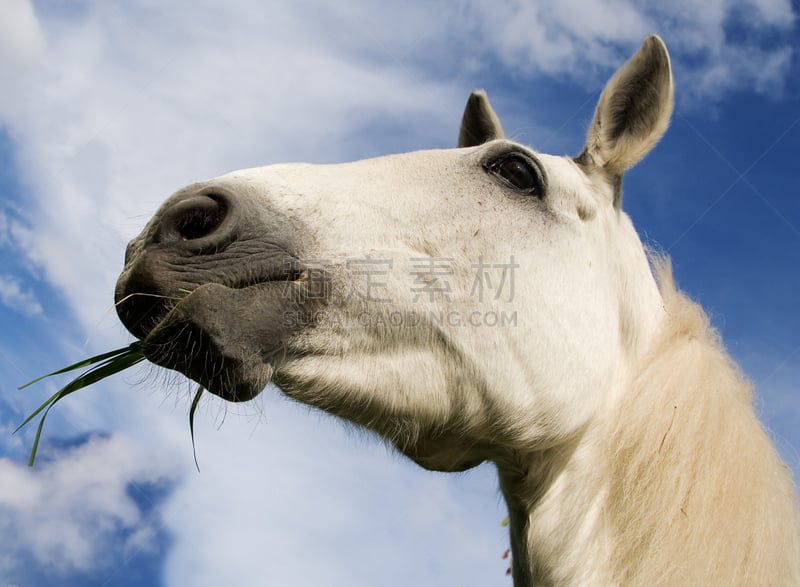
[566,175]
[415,173]
[414,166]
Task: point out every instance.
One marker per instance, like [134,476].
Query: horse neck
[676,482]
[555,510]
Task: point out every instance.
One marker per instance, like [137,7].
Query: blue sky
[108,108]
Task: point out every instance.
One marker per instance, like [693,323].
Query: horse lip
[203,354]
[142,310]
[230,339]
[292,275]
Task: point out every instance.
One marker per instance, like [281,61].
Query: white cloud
[559,38]
[19,300]
[63,515]
[778,13]
[293,501]
[574,37]
[284,497]
[21,39]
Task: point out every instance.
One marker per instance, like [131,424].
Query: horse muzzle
[207,288]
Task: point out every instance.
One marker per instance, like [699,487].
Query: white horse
[488,303]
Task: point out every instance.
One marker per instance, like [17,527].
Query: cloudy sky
[108,107]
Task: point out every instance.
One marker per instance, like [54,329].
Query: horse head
[464,303]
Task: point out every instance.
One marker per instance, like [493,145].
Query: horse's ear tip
[655,44]
[478,94]
[479,123]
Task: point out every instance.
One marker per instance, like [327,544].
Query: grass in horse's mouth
[99,367]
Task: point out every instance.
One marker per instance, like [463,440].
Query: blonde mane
[696,488]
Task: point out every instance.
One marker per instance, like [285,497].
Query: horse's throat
[555,505]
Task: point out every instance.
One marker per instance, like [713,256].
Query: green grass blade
[100,367]
[101,371]
[192,410]
[134,347]
[36,438]
[52,399]
[106,365]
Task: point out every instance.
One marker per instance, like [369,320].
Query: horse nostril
[192,218]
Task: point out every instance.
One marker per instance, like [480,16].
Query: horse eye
[519,173]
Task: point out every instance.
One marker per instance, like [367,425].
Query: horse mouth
[227,337]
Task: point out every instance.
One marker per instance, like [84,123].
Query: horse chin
[445,454]
[225,339]
[446,466]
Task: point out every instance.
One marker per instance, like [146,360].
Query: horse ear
[480,123]
[633,111]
